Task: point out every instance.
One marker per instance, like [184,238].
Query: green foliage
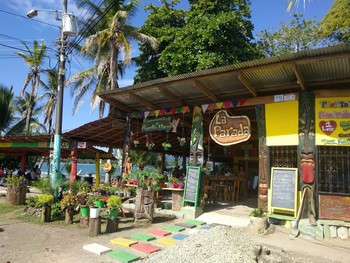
[44,185]
[32,201]
[299,34]
[146,178]
[143,158]
[257,212]
[92,199]
[56,212]
[6,98]
[114,202]
[69,200]
[16,181]
[45,199]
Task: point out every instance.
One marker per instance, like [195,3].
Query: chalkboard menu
[192,184]
[284,189]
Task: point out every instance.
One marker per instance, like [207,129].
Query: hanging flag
[156,112]
[184,109]
[234,103]
[219,105]
[146,114]
[162,112]
[227,104]
[142,115]
[242,101]
[173,111]
[211,107]
[205,107]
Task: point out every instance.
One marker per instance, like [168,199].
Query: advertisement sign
[157,124]
[333,121]
[227,130]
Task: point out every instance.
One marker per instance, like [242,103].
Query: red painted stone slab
[145,248]
[159,232]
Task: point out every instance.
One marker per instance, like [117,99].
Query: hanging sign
[227,130]
[157,124]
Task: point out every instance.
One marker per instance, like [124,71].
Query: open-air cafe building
[284,121]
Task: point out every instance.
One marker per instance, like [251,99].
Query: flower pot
[100,203]
[172,185]
[258,223]
[94,212]
[180,186]
[84,211]
[113,213]
[182,144]
[149,148]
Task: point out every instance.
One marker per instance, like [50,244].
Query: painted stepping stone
[205,227]
[123,256]
[159,232]
[195,222]
[166,241]
[142,237]
[180,236]
[186,225]
[174,228]
[145,248]
[217,224]
[123,241]
[97,249]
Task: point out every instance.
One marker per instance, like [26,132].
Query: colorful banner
[333,121]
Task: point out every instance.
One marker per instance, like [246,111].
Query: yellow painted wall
[333,121]
[282,123]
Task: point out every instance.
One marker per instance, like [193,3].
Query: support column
[97,172]
[23,162]
[73,172]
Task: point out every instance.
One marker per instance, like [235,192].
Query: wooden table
[176,197]
[225,188]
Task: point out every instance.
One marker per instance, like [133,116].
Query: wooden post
[144,207]
[94,227]
[112,225]
[69,216]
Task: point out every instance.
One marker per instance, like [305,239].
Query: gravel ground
[224,245]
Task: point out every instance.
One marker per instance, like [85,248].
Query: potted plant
[166,145]
[150,145]
[136,143]
[173,182]
[182,141]
[114,203]
[45,200]
[258,219]
[69,203]
[83,204]
[16,190]
[94,210]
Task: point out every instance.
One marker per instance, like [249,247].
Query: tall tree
[34,60]
[163,22]
[108,35]
[6,99]
[216,33]
[299,34]
[50,95]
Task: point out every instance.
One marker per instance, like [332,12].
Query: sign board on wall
[283,190]
[227,130]
[157,124]
[333,121]
[282,123]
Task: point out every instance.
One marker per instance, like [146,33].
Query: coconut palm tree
[6,98]
[108,36]
[34,60]
[50,95]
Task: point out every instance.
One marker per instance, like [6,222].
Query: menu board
[284,189]
[192,185]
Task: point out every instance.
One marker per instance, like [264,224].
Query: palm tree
[22,104]
[6,98]
[108,36]
[34,60]
[50,94]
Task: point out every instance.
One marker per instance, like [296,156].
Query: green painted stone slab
[142,237]
[195,222]
[173,228]
[123,256]
[185,225]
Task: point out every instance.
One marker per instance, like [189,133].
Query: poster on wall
[333,121]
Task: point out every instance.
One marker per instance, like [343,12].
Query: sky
[16,27]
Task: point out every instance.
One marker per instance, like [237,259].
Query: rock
[333,231]
[343,233]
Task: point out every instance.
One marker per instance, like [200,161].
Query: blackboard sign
[284,183]
[192,185]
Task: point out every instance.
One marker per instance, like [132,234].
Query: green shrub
[257,212]
[32,201]
[114,202]
[45,199]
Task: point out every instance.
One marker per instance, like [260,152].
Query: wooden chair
[235,188]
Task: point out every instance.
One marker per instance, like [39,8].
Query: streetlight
[68,28]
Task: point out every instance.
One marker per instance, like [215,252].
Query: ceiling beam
[117,104]
[299,76]
[143,101]
[246,82]
[199,86]
[167,93]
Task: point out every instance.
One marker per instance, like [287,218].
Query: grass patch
[8,211]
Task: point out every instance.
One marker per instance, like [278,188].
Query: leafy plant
[257,212]
[32,201]
[45,199]
[16,181]
[92,199]
[82,199]
[146,178]
[69,200]
[114,202]
[166,144]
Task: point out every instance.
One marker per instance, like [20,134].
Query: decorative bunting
[137,115]
[162,112]
[234,103]
[184,109]
[179,110]
[211,107]
[146,114]
[204,107]
[142,115]
[156,112]
[167,110]
[173,111]
[227,104]
[242,101]
[219,105]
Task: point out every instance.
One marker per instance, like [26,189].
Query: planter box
[16,195]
